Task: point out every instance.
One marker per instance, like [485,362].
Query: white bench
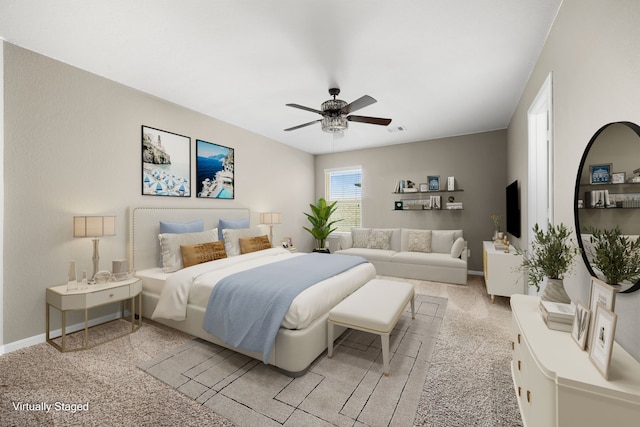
[376,308]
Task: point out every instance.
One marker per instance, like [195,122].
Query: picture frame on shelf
[581,325]
[166,163]
[603,294]
[618,177]
[434,182]
[600,174]
[398,205]
[602,337]
[424,187]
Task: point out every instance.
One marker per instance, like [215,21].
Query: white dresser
[557,385]
[500,275]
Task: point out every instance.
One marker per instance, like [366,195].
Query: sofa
[434,255]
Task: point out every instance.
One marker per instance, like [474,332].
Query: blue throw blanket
[246,309]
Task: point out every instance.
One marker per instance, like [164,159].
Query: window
[344,186]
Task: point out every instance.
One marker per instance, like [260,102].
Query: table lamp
[94,226]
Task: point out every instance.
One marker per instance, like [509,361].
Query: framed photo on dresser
[602,337]
[600,294]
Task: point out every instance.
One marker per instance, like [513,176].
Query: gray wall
[477,161]
[592,52]
[72,146]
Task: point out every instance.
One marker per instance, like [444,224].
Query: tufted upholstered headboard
[143,247]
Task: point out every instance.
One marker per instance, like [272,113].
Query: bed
[299,340]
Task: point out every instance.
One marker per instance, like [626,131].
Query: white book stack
[557,315]
[454,205]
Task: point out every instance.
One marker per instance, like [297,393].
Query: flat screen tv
[513,209]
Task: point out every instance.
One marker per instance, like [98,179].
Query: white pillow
[420,241]
[170,246]
[232,237]
[360,237]
[441,241]
[457,248]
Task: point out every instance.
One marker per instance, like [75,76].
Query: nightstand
[95,295]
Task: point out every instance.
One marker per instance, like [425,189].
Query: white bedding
[193,285]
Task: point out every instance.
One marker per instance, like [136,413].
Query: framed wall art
[618,177]
[600,174]
[166,163]
[602,336]
[215,177]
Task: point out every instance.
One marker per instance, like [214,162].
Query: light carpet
[347,390]
[468,382]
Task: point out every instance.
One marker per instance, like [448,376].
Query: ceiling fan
[334,113]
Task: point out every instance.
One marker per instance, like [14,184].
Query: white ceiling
[437,68]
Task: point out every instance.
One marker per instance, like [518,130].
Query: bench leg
[413,306]
[329,340]
[385,353]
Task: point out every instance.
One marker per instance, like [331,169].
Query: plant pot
[322,250]
[554,291]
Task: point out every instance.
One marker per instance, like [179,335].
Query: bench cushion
[376,306]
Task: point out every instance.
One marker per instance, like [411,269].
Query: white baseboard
[38,339]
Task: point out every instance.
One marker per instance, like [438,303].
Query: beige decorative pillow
[254,244]
[420,241]
[380,239]
[360,237]
[202,252]
[170,247]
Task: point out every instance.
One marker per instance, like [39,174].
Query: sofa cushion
[360,237]
[419,241]
[380,239]
[369,254]
[442,241]
[432,259]
[457,248]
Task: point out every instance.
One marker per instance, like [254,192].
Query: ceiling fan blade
[370,120]
[358,104]
[302,107]
[303,125]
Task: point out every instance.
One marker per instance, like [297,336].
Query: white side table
[95,295]
[500,271]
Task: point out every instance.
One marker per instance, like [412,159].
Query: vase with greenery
[617,256]
[321,226]
[496,225]
[551,257]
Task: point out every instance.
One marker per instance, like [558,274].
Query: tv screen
[513,209]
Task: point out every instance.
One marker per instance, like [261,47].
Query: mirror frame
[636,129]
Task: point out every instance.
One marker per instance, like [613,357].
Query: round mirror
[607,194]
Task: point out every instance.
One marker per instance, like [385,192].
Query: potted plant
[321,226]
[497,235]
[551,257]
[615,255]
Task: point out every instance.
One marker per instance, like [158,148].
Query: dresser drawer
[106,296]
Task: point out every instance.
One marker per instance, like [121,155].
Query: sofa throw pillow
[202,252]
[360,237]
[254,244]
[232,224]
[441,241]
[420,241]
[170,247]
[457,248]
[380,239]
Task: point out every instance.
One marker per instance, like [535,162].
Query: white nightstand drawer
[106,296]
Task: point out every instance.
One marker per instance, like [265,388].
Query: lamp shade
[94,226]
[270,218]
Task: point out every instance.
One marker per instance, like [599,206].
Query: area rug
[349,389]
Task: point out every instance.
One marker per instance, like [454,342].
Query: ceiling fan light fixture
[334,124]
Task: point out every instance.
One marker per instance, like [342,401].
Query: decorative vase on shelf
[555,292]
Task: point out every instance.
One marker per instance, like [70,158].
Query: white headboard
[143,248]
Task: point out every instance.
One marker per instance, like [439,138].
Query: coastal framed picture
[166,163]
[215,177]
